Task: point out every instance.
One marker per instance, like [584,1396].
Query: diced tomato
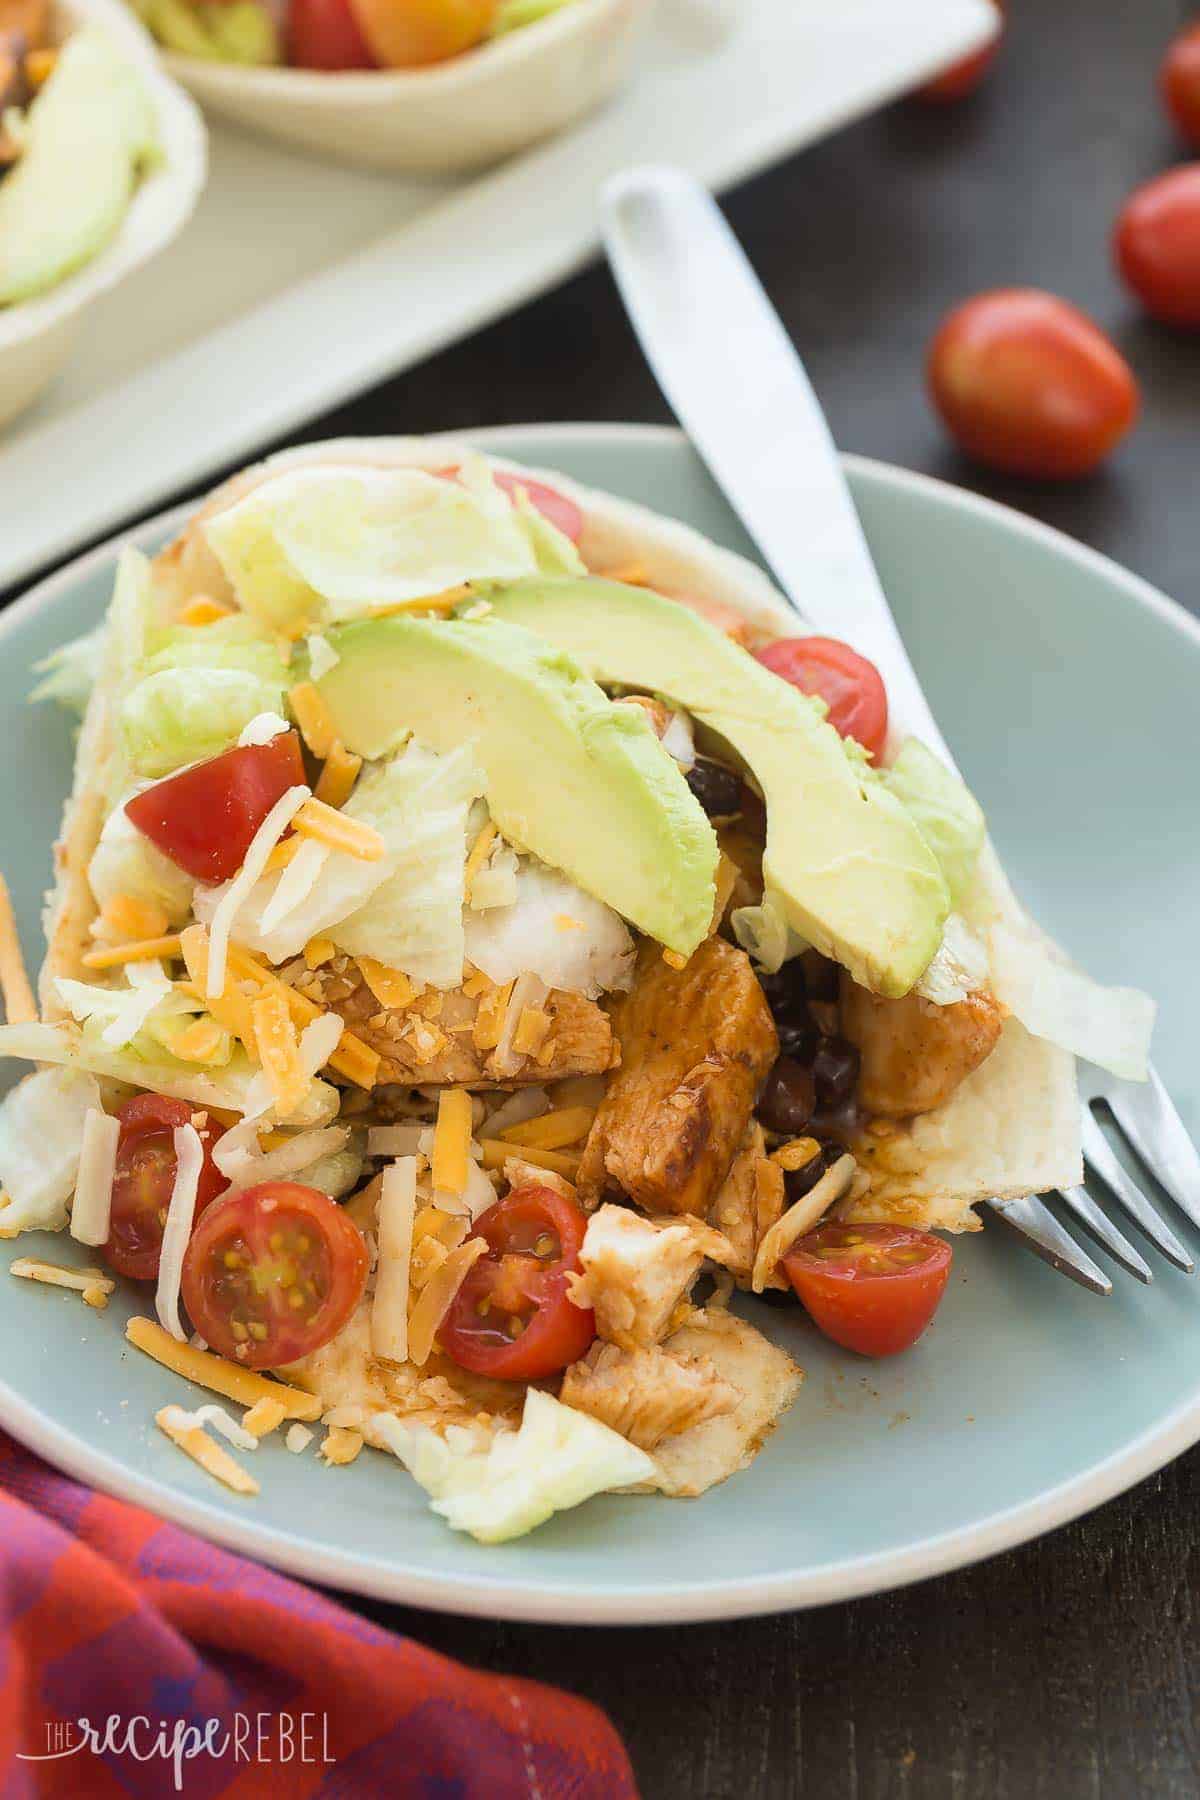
[871,1288]
[963,77]
[852,687]
[205,818]
[512,1318]
[144,1177]
[324,34]
[549,502]
[272,1273]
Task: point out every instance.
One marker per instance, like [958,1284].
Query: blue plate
[1070,693]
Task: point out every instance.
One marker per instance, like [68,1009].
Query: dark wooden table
[1071,1667]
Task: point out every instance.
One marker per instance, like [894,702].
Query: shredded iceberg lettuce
[70,673]
[125,862]
[319,544]
[554,930]
[959,966]
[41,1135]
[765,935]
[186,715]
[557,1459]
[942,808]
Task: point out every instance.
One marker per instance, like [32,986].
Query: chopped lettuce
[959,966]
[119,1014]
[405,909]
[70,673]
[180,716]
[320,544]
[511,15]
[125,862]
[41,1135]
[554,930]
[765,935]
[942,808]
[557,1459]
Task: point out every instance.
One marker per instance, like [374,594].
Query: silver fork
[737,386]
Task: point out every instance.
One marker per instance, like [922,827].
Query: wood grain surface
[1069,1668]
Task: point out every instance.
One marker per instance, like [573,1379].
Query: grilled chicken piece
[635,1273]
[647,1395]
[748,1203]
[431,1043]
[914,1053]
[696,1044]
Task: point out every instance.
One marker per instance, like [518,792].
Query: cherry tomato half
[144,1177]
[1157,245]
[547,500]
[272,1273]
[852,686]
[963,77]
[324,34]
[205,818]
[405,34]
[871,1288]
[1027,383]
[1179,81]
[511,1318]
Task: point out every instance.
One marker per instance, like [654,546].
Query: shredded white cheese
[394,1140]
[295,884]
[263,728]
[93,1186]
[528,990]
[320,1039]
[253,865]
[297,1438]
[189,1153]
[216,1416]
[389,1308]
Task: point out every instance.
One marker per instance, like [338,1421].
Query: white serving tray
[299,283]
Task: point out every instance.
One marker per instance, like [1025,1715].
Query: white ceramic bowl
[36,335]
[473,109]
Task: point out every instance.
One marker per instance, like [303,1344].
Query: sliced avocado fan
[853,872]
[580,782]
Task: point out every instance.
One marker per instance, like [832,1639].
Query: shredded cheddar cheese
[726,880]
[32,1268]
[112,956]
[533,1028]
[313,717]
[553,1130]
[200,1041]
[264,1417]
[231,1007]
[212,1457]
[480,851]
[442,602]
[214,1373]
[201,610]
[395,1226]
[319,950]
[632,574]
[489,1020]
[391,987]
[496,1153]
[340,1446]
[437,1297]
[126,919]
[475,984]
[351,836]
[797,1154]
[352,1058]
[336,781]
[279,1050]
[674,960]
[283,853]
[451,1157]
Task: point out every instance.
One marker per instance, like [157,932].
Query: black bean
[786,995]
[836,1124]
[798,1038]
[788,1098]
[820,975]
[717,788]
[835,1070]
[798,1182]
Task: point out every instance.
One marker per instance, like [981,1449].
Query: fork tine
[1037,1227]
[1079,1202]
[1102,1160]
[1147,1116]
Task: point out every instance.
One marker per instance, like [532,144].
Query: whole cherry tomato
[1157,245]
[871,1288]
[273,1272]
[324,34]
[547,500]
[144,1178]
[512,1317]
[1179,81]
[964,76]
[1027,383]
[205,818]
[852,687]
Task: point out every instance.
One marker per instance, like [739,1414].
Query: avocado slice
[854,874]
[88,134]
[583,784]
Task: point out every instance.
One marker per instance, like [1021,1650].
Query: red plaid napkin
[139,1660]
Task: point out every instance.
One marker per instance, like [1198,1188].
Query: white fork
[737,386]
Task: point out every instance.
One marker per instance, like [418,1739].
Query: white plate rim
[559,1603]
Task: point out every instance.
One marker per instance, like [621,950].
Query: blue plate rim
[559,1602]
